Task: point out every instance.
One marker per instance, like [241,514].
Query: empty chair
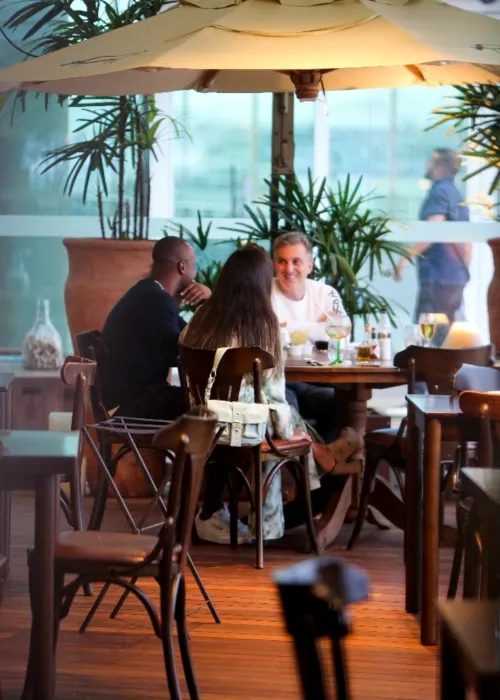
[314,595]
[115,558]
[437,368]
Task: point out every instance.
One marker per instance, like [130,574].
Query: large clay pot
[494,295]
[100,272]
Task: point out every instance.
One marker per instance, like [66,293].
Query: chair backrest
[314,595]
[437,367]
[191,438]
[472,378]
[91,345]
[195,366]
[484,409]
[80,373]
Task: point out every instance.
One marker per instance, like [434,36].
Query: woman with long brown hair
[239,314]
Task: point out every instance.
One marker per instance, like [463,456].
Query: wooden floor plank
[249,655]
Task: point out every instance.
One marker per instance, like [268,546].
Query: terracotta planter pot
[100,272]
[494,295]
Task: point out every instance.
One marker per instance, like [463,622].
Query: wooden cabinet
[33,398]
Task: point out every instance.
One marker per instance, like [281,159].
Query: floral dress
[284,421]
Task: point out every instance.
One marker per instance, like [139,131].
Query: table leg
[357,413]
[430,540]
[413,515]
[46,505]
[452,684]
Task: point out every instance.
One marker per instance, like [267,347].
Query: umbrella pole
[282,147]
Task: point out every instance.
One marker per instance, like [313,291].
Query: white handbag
[242,424]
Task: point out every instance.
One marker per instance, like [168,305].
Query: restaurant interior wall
[379,134]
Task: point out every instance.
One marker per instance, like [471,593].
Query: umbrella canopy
[275,46]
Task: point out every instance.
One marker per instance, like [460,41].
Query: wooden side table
[470,643]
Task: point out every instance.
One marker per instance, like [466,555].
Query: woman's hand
[195,294]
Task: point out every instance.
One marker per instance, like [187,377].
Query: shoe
[216,528]
[339,451]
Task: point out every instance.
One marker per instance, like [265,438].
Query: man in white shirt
[303,304]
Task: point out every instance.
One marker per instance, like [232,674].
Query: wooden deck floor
[249,655]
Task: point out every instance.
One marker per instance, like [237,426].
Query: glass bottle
[42,348]
[365,349]
[384,337]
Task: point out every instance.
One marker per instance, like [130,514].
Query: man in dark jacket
[141,335]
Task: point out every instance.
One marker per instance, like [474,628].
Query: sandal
[328,456]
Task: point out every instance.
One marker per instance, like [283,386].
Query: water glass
[412,335]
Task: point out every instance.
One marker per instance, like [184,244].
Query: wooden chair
[469,649]
[482,410]
[116,557]
[195,366]
[314,595]
[129,434]
[436,367]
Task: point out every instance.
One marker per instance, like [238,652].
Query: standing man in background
[442,268]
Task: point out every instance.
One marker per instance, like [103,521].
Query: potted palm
[107,158]
[475,112]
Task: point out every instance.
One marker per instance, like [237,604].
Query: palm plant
[475,113]
[350,239]
[116,133]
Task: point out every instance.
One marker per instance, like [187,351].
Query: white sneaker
[216,528]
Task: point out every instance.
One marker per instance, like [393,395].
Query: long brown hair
[239,312]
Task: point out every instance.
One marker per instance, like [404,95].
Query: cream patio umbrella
[274,46]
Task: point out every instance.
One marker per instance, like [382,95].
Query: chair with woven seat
[115,558]
[480,415]
[195,366]
[437,368]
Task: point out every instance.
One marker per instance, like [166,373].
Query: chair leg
[341,681]
[458,553]
[472,560]
[202,588]
[167,606]
[259,534]
[369,474]
[184,645]
[93,609]
[122,600]
[306,493]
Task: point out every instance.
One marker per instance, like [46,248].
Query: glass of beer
[428,326]
[337,328]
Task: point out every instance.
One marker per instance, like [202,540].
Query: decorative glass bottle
[42,347]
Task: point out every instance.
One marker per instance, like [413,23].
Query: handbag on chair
[242,424]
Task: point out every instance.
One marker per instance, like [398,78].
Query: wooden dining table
[354,385]
[38,460]
[432,419]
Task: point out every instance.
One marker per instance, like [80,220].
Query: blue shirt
[440,263]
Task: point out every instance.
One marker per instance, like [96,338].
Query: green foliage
[476,114]
[115,132]
[350,238]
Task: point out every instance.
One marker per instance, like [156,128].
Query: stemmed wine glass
[338,327]
[428,326]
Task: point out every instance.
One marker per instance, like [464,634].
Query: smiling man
[302,304]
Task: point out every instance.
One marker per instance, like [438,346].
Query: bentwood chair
[115,558]
[314,595]
[480,416]
[436,367]
[195,366]
[129,435]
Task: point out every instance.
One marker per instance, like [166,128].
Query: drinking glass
[428,325]
[412,335]
[338,327]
